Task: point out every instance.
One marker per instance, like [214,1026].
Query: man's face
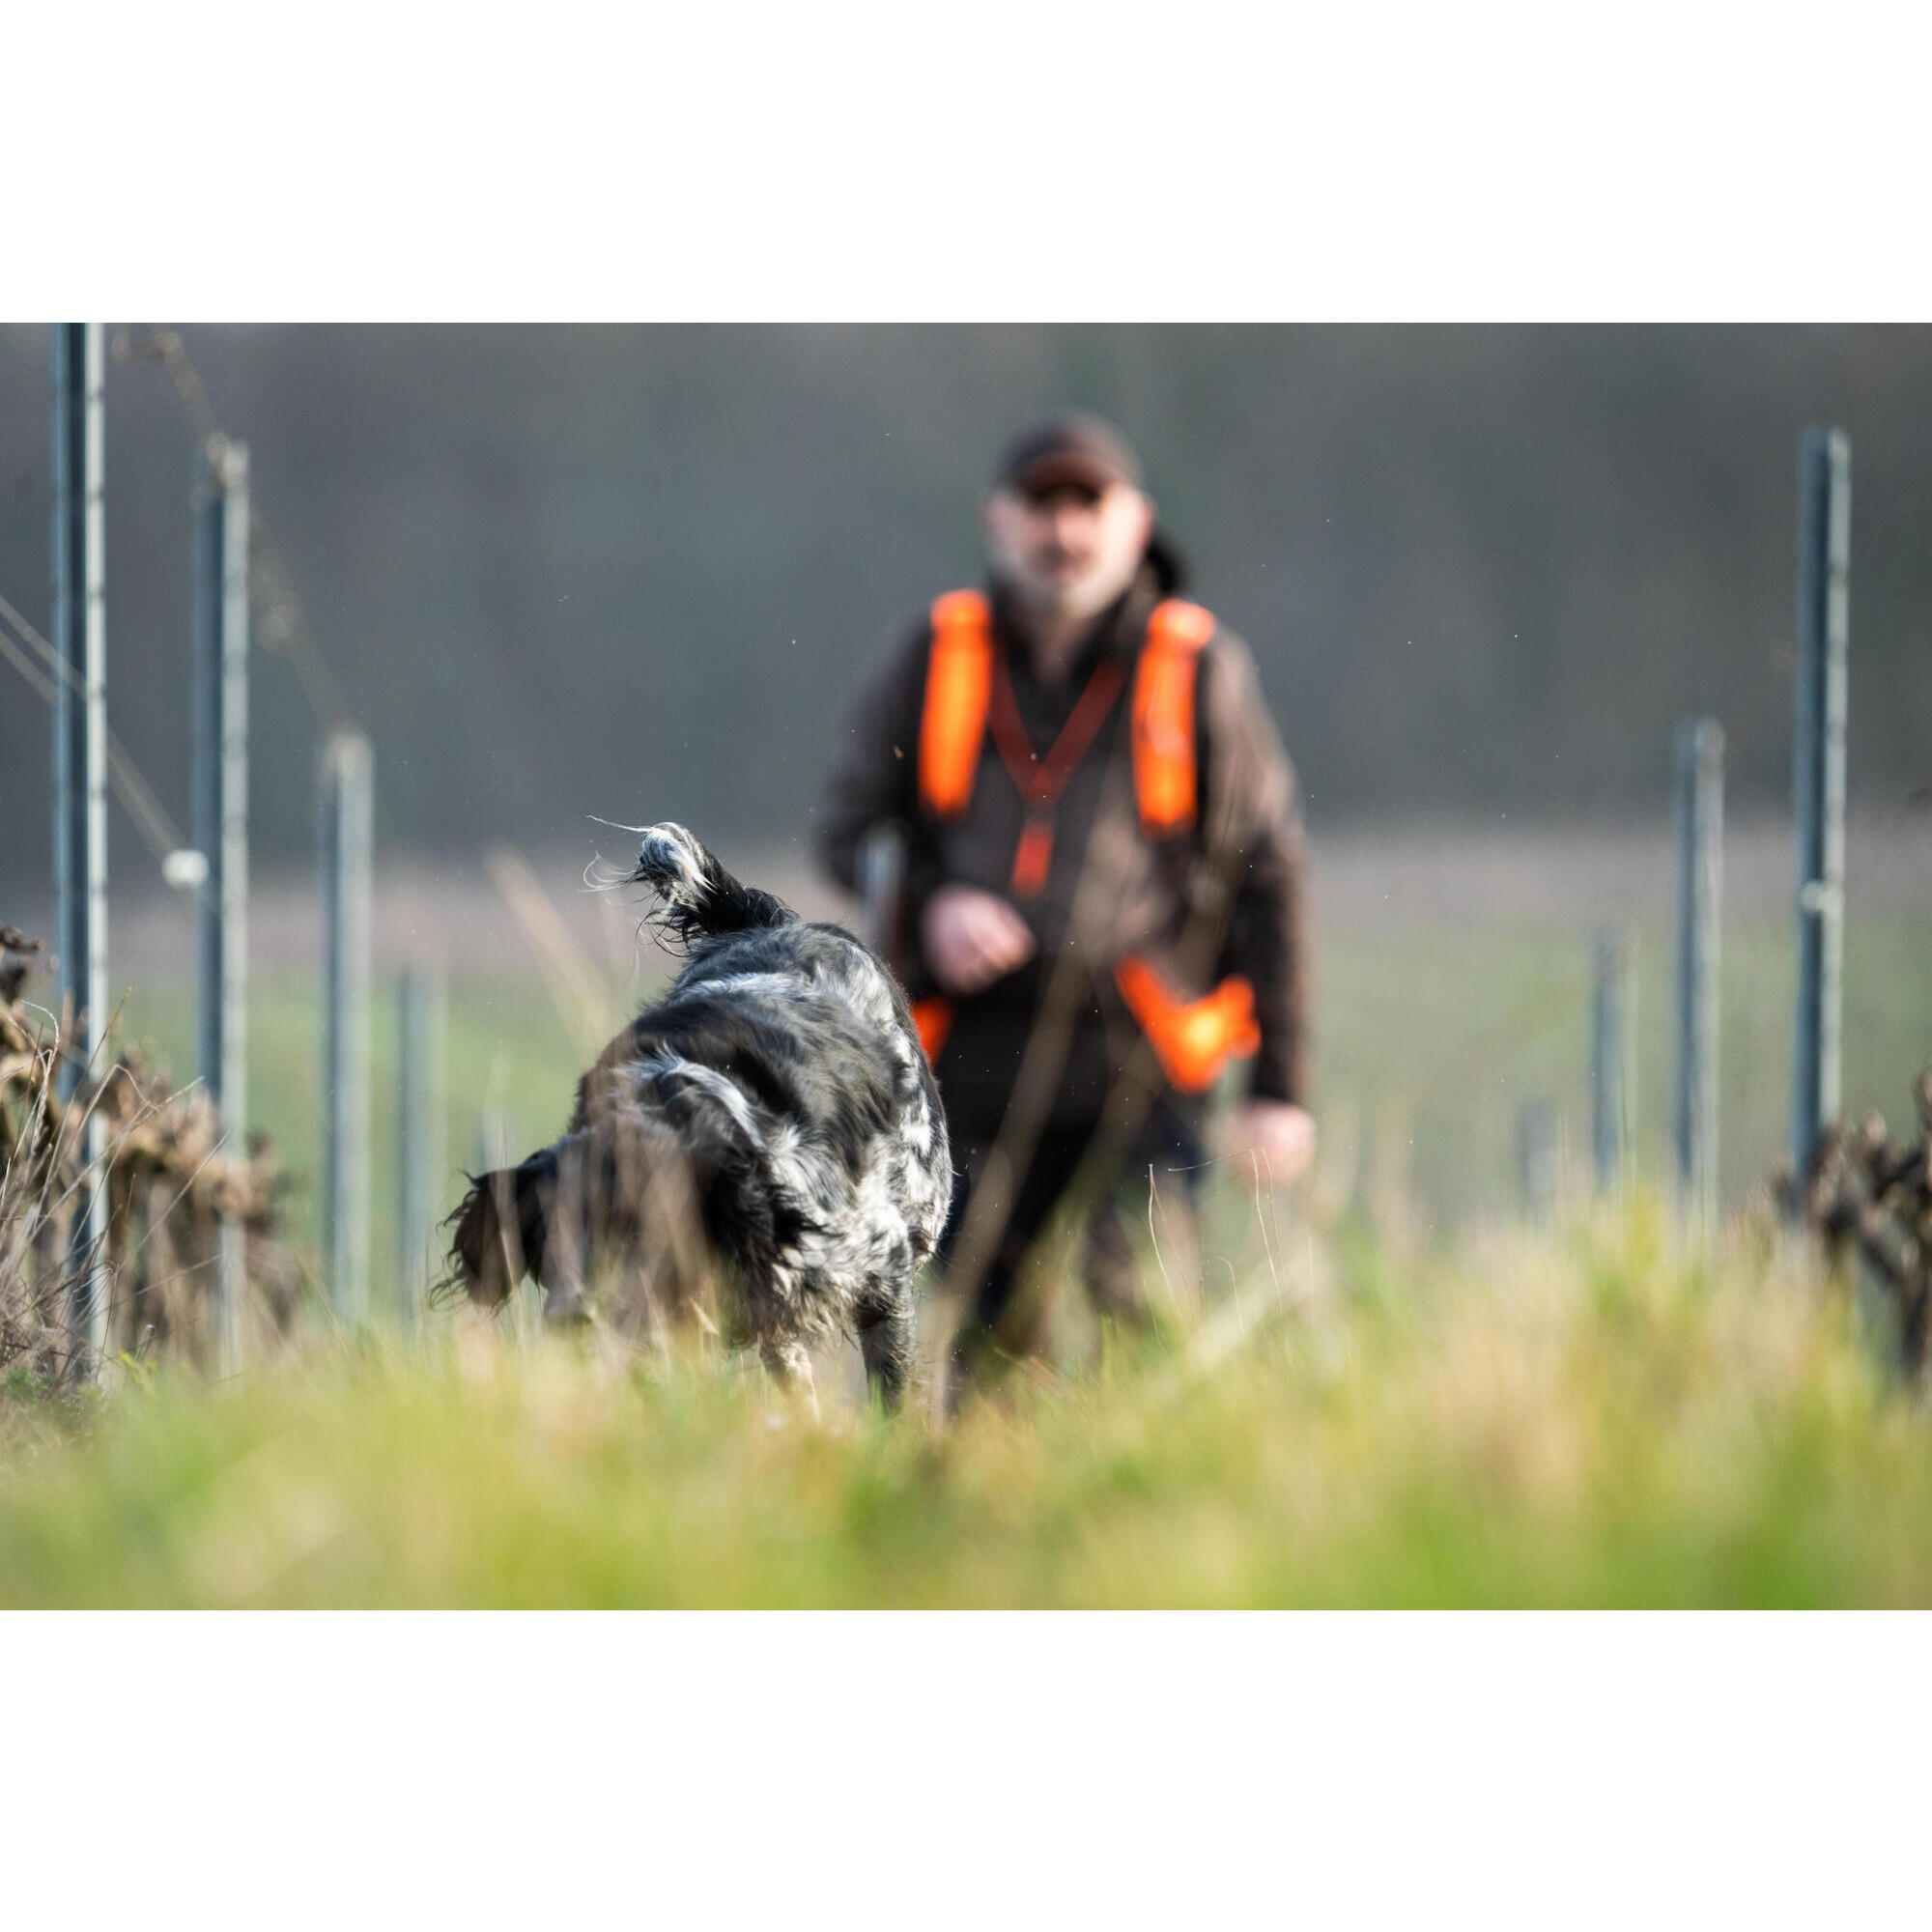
[1069,550]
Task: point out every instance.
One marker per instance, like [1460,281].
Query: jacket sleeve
[875,771]
[1252,823]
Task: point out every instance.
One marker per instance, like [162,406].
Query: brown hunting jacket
[1229,896]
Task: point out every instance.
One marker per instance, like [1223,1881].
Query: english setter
[770,1125]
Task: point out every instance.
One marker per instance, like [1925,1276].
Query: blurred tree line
[635,571]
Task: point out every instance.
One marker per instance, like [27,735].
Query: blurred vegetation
[637,571]
[1591,1416]
[1429,1040]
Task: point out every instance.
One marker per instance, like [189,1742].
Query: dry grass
[1598,1416]
[1429,1407]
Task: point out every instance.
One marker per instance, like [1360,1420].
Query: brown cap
[1070,447]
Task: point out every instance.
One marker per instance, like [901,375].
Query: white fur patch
[777,985]
[719,1086]
[673,861]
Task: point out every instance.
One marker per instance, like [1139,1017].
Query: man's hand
[1281,1138]
[969,938]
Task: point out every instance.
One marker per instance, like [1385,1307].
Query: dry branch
[1866,1195]
[171,1186]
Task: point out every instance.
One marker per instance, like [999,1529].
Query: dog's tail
[698,898]
[503,1228]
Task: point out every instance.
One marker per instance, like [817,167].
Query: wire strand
[146,812]
[42,684]
[282,622]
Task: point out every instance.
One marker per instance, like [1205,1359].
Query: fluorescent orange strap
[1164,782]
[933,1018]
[1193,1040]
[959,683]
[1038,780]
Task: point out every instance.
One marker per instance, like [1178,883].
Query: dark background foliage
[635,571]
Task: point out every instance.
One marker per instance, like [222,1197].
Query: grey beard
[1084,603]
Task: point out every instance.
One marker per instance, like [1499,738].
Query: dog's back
[780,1094]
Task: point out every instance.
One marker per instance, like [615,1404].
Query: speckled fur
[779,1096]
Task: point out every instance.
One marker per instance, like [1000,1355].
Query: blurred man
[1103,900]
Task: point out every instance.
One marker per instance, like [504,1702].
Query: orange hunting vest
[1192,1039]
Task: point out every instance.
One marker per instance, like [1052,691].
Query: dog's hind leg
[888,1345]
[580,1228]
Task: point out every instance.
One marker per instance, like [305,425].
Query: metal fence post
[1700,843]
[221,827]
[1609,1061]
[881,881]
[420,1007]
[1536,1155]
[80,776]
[346,801]
[1818,777]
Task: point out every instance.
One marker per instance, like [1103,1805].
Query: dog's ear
[478,1266]
[502,1229]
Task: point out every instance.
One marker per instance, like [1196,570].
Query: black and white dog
[771,1126]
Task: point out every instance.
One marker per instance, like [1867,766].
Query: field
[1394,1393]
[1453,976]
[1592,1416]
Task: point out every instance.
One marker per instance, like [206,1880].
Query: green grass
[1429,1040]
[1463,1415]
[1588,1417]
[506,1053]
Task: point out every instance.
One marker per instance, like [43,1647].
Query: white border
[962,1769]
[1002,161]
